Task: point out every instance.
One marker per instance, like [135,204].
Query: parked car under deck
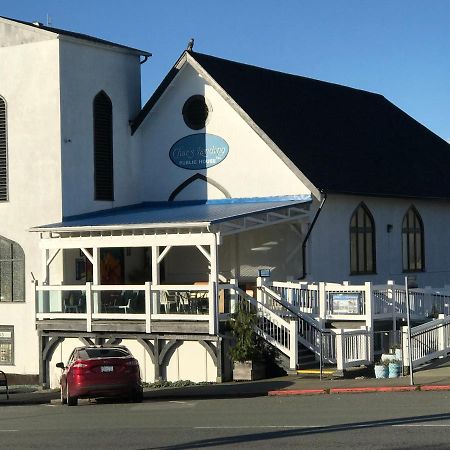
[97,371]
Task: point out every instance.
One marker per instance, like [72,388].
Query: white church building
[146,225]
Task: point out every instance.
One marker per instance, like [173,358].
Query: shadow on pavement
[241,389]
[241,439]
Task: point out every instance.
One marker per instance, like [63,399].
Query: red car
[96,371]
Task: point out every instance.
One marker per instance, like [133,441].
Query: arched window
[3,152]
[12,271]
[362,242]
[413,242]
[103,148]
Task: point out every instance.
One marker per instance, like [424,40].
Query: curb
[359,390]
[298,392]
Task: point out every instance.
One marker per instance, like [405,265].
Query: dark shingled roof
[78,36]
[343,140]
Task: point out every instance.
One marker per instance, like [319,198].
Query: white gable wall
[29,84]
[85,71]
[329,245]
[251,168]
[13,33]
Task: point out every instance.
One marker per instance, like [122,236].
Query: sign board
[347,303]
[199,151]
[264,273]
[5,334]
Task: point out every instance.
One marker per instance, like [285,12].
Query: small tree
[247,344]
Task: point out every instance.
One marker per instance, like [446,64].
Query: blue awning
[176,213]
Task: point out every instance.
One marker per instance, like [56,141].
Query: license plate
[107,368]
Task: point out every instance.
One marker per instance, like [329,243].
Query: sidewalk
[435,376]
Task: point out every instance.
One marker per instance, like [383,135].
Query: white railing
[273,328]
[345,348]
[127,302]
[390,301]
[326,300]
[428,341]
[353,348]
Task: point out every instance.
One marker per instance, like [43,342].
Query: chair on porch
[74,302]
[168,301]
[127,301]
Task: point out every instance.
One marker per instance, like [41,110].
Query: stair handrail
[285,336]
[330,357]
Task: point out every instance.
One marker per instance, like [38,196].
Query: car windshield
[89,353]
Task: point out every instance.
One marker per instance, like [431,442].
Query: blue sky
[399,48]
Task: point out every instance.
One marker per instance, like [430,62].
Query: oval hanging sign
[199,151]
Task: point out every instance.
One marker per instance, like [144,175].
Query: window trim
[22,275]
[103,94]
[10,340]
[355,231]
[185,110]
[406,231]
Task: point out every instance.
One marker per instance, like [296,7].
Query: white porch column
[156,279]
[213,288]
[44,274]
[96,277]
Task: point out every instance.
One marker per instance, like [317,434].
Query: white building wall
[85,71]
[251,168]
[29,77]
[329,253]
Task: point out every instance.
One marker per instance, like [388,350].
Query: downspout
[308,233]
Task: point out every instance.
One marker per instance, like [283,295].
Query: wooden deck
[123,326]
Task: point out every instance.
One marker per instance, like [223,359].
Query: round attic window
[195,112]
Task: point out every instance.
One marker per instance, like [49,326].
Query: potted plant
[382,369]
[247,351]
[395,368]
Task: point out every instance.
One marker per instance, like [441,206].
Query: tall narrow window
[413,242]
[362,242]
[3,152]
[103,148]
[12,271]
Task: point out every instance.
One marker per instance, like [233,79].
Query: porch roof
[176,214]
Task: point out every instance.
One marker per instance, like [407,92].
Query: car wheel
[63,399]
[137,397]
[71,401]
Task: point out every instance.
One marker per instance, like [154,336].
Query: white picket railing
[390,301]
[345,348]
[428,341]
[114,302]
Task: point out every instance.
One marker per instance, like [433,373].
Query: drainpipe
[303,275]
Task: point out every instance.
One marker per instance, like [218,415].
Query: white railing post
[89,307]
[233,296]
[293,345]
[390,295]
[340,351]
[322,303]
[148,307]
[369,314]
[405,347]
[212,305]
[441,336]
[260,297]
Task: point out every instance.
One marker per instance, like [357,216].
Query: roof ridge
[75,34]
